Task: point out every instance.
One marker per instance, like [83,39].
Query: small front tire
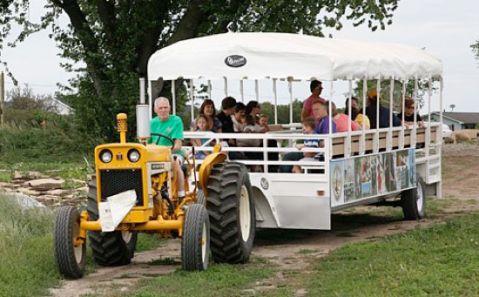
[195,244]
[70,258]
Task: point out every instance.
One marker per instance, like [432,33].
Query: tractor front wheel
[231,206]
[195,245]
[69,250]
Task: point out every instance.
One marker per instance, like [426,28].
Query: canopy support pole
[150,99]
[209,89]
[226,86]
[173,95]
[347,152]
[439,139]
[142,90]
[192,98]
[414,128]
[330,113]
[378,103]
[242,90]
[362,146]
[389,142]
[256,89]
[428,128]
[275,102]
[403,106]
[290,88]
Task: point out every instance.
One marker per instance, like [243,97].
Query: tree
[452,106]
[475,49]
[112,39]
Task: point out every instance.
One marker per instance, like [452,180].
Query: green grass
[5,176]
[219,280]
[27,266]
[438,261]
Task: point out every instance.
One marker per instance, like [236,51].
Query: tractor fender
[205,170]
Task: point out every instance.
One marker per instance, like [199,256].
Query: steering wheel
[162,135]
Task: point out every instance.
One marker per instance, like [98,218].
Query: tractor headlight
[133,155]
[106,156]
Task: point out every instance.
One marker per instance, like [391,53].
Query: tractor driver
[171,126]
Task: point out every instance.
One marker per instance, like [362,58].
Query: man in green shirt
[171,126]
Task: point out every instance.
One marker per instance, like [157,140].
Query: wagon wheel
[414,201]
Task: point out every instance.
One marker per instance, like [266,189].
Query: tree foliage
[475,49]
[108,42]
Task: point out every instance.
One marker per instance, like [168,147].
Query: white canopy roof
[284,55]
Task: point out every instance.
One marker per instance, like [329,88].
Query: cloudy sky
[445,28]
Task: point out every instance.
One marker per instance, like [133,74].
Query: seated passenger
[228,105]
[320,111]
[238,117]
[208,109]
[356,113]
[251,127]
[342,120]
[316,88]
[371,111]
[308,128]
[263,122]
[201,125]
[409,113]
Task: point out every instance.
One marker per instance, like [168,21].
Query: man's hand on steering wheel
[162,135]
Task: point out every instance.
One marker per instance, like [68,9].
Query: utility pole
[2,98]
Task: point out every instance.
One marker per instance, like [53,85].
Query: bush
[40,136]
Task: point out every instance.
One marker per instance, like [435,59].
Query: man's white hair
[161,99]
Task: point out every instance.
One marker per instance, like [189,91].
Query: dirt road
[293,250]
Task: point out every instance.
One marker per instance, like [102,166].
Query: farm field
[312,263]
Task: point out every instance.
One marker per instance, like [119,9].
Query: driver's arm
[176,146]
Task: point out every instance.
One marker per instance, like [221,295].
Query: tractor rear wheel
[195,245]
[70,259]
[231,207]
[414,201]
[109,248]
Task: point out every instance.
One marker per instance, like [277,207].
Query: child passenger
[263,122]
[308,128]
[202,124]
[251,127]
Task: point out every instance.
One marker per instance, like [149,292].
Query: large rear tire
[70,259]
[231,207]
[109,248]
[414,201]
[195,245]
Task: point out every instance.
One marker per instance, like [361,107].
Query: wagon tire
[414,201]
[195,244]
[200,195]
[231,209]
[70,259]
[109,248]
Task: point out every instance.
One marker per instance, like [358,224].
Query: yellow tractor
[143,171]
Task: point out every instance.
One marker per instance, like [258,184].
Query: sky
[445,28]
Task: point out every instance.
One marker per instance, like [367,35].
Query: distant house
[458,120]
[58,106]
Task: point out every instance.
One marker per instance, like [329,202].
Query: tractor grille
[120,180]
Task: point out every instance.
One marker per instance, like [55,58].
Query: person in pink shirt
[342,120]
[316,88]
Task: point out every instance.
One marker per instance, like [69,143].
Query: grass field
[27,266]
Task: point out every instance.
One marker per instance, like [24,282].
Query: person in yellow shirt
[357,116]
